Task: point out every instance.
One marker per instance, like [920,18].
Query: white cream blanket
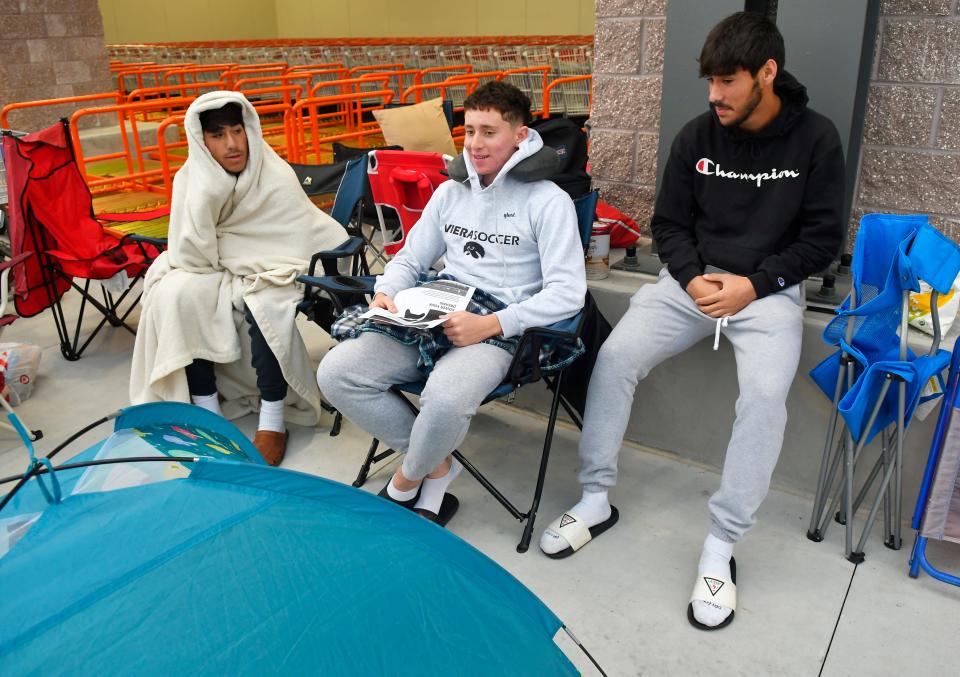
[234,240]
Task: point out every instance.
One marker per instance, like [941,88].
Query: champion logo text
[708,167]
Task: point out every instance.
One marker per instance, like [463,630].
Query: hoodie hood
[223,186]
[533,161]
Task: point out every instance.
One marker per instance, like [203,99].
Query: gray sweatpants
[356,375]
[663,321]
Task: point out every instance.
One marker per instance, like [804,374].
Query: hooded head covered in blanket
[235,240]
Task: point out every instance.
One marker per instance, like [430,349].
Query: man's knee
[448,399]
[334,370]
[620,354]
[770,389]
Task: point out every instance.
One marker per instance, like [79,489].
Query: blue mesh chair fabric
[892,254]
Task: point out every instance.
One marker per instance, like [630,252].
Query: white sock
[593,508]
[208,402]
[271,416]
[434,488]
[714,561]
[397,494]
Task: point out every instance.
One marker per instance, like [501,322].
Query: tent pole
[583,649]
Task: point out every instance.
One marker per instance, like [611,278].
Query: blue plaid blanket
[555,354]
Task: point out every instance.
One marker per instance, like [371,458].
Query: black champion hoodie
[765,205]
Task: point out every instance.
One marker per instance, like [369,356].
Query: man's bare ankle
[441,469]
[403,484]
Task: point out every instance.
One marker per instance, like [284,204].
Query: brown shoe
[271,445]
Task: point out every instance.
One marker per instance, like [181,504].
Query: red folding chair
[51,217]
[403,181]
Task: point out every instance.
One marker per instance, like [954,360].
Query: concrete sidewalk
[803,609]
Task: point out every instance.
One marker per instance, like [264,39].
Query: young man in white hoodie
[500,227]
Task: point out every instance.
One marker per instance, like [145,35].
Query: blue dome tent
[171,546]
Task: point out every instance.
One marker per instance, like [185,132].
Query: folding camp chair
[403,181]
[523,369]
[317,180]
[937,514]
[51,216]
[317,305]
[6,319]
[367,216]
[892,254]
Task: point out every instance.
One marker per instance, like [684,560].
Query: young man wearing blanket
[218,308]
[500,228]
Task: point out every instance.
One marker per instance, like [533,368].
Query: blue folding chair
[891,255]
[523,369]
[348,179]
[936,515]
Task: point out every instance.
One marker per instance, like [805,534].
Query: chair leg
[49,279]
[70,346]
[524,544]
[67,348]
[895,541]
[111,306]
[851,456]
[887,503]
[337,418]
[813,532]
[848,466]
[488,485]
[857,556]
[919,546]
[365,468]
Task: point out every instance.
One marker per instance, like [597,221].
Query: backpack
[569,140]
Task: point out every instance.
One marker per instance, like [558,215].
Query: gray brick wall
[910,160]
[910,157]
[627,74]
[50,49]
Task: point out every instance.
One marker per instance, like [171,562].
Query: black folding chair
[317,305]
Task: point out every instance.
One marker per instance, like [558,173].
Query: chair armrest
[321,293]
[11,262]
[526,359]
[351,247]
[158,242]
[339,284]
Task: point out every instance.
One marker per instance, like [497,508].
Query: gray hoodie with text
[516,239]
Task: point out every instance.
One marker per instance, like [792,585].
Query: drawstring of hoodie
[721,322]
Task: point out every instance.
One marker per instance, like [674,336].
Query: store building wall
[188,20]
[50,49]
[910,157]
[911,145]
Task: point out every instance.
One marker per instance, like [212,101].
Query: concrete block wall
[910,159]
[50,49]
[627,78]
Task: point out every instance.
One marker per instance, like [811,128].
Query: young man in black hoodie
[750,205]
